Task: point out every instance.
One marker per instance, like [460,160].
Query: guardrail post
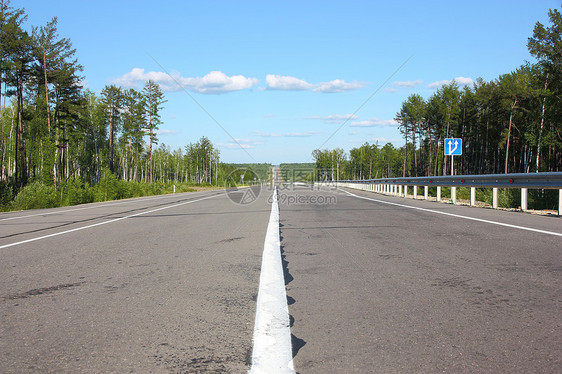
[438,193]
[415,192]
[426,192]
[560,202]
[454,195]
[400,191]
[394,190]
[495,198]
[405,191]
[523,199]
[472,196]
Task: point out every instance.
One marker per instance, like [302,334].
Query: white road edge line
[90,206]
[272,352]
[103,223]
[455,215]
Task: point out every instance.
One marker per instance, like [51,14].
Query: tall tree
[134,122]
[19,58]
[514,87]
[10,29]
[112,100]
[546,46]
[154,100]
[53,55]
[410,119]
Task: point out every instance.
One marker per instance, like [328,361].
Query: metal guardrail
[519,180]
[524,181]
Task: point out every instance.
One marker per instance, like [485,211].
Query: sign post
[453,147]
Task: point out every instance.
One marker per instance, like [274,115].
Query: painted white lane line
[272,352]
[456,215]
[96,205]
[103,223]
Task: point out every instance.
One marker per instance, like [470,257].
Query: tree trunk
[111,130]
[509,135]
[46,92]
[151,170]
[21,164]
[3,147]
[542,126]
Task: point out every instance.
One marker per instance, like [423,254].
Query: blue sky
[277,79]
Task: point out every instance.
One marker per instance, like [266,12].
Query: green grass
[38,195]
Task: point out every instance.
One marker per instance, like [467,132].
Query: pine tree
[154,100]
[112,100]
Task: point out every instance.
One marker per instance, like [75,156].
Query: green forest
[512,124]
[61,144]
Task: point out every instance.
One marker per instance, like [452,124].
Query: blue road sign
[453,147]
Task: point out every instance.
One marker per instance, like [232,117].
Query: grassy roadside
[38,195]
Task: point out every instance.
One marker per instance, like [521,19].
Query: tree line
[53,130]
[512,124]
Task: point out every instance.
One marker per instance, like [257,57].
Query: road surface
[169,285]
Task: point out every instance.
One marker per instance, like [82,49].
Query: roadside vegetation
[512,124]
[62,144]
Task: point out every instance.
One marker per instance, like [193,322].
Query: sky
[270,81]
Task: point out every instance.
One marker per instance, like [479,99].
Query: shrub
[35,195]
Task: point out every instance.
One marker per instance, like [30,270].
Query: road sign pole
[452,173]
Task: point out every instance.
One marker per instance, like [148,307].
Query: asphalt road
[166,291]
[381,288]
[169,284]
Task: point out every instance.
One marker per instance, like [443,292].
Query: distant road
[375,284]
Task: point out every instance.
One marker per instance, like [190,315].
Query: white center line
[456,215]
[272,352]
[103,223]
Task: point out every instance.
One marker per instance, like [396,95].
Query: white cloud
[337,85]
[287,134]
[287,83]
[166,132]
[233,145]
[390,89]
[239,143]
[438,84]
[373,122]
[408,84]
[215,82]
[334,118]
[463,81]
[284,83]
